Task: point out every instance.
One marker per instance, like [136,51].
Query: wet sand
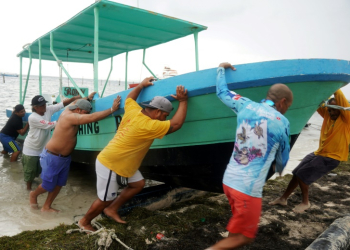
[17,216]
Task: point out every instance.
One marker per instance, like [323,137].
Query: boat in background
[168,72]
[196,155]
[133,85]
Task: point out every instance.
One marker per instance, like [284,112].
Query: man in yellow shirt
[333,148]
[119,161]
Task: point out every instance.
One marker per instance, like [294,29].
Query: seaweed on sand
[200,222]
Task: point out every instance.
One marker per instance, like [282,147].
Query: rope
[106,235]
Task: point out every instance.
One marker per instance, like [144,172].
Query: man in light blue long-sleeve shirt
[262,135]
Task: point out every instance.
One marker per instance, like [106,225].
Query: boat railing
[60,64]
[22,98]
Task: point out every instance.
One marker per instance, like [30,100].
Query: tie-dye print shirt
[262,135]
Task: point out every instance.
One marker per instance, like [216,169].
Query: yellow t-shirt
[136,132]
[335,135]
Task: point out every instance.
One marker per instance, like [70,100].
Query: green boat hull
[214,123]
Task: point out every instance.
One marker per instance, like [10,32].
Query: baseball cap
[82,104]
[19,107]
[38,100]
[161,103]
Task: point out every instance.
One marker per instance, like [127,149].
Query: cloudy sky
[238,32]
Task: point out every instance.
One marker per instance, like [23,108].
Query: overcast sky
[238,32]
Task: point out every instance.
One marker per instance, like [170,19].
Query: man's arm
[282,155]
[74,98]
[321,111]
[229,98]
[24,129]
[78,119]
[41,123]
[180,115]
[343,102]
[137,90]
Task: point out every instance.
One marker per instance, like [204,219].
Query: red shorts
[246,212]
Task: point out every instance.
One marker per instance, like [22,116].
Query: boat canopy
[122,29]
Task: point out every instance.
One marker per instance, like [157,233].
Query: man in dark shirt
[10,131]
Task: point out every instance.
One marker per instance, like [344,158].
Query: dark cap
[82,104]
[38,100]
[19,107]
[161,103]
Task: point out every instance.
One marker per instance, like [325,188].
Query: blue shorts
[9,143]
[55,170]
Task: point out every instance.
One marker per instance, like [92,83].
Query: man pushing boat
[12,128]
[262,135]
[55,158]
[39,134]
[119,161]
[333,148]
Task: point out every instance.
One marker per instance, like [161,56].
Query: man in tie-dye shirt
[262,136]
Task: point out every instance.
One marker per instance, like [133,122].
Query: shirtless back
[64,137]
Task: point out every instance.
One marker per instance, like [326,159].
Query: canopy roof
[122,28]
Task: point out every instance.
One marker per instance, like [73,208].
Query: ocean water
[79,193]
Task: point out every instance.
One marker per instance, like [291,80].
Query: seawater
[79,193]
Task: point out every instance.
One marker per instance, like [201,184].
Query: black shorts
[313,167]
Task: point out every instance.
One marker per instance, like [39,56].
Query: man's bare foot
[114,215]
[84,226]
[50,210]
[279,201]
[32,200]
[301,207]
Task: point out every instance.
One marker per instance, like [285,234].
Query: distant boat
[168,72]
[133,85]
[9,74]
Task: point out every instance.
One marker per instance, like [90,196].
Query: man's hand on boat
[147,82]
[116,104]
[181,94]
[226,65]
[91,96]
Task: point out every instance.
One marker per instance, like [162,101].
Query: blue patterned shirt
[262,135]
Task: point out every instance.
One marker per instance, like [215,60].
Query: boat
[195,156]
[133,85]
[168,72]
